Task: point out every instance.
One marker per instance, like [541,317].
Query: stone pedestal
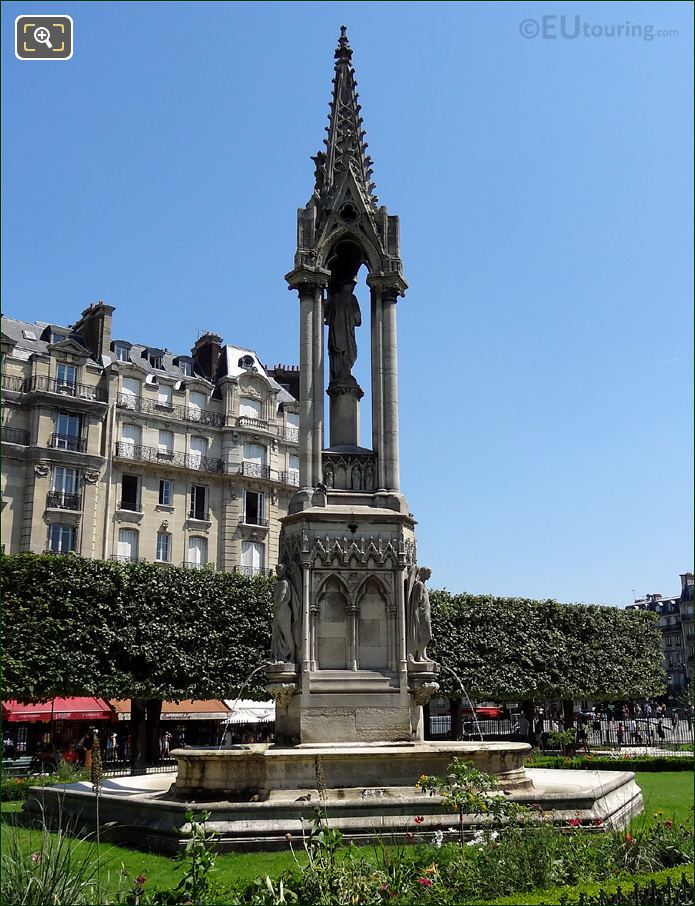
[345,399]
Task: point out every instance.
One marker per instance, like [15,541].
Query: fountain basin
[258,772]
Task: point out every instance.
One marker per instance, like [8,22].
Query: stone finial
[343,51]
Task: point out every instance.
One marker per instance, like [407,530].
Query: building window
[165,450]
[130,392]
[293,469]
[163,547]
[196,405]
[68,431]
[61,538]
[198,450]
[164,397]
[198,502]
[166,492]
[250,408]
[130,486]
[253,508]
[122,353]
[186,368]
[255,457]
[292,427]
[156,361]
[127,545]
[197,555]
[64,483]
[131,437]
[66,377]
[678,641]
[252,558]
[669,642]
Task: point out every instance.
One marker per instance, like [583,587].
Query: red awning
[57,709]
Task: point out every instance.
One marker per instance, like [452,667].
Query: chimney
[687,581]
[95,328]
[206,354]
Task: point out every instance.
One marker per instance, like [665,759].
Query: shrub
[613,762]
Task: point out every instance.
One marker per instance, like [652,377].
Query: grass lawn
[667,792]
[670,792]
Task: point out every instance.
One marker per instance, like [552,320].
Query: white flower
[438,838]
[494,835]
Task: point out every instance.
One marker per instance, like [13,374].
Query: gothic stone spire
[346,149]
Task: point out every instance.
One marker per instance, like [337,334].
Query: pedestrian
[166,744]
[538,730]
[8,747]
[632,730]
[660,729]
[621,735]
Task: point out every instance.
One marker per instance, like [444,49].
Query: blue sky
[544,187]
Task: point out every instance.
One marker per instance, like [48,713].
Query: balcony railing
[66,388]
[131,505]
[67,442]
[62,501]
[253,571]
[254,470]
[201,515]
[189,565]
[290,432]
[126,558]
[248,519]
[59,553]
[183,413]
[13,383]
[248,421]
[193,461]
[290,477]
[15,436]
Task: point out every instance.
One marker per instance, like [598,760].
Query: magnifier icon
[43,36]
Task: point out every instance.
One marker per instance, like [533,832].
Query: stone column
[306,386]
[377,388]
[317,440]
[390,390]
[353,615]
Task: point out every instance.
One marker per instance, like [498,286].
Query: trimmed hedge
[633,889]
[607,763]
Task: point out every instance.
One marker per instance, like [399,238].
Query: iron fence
[15,436]
[61,501]
[667,733]
[68,442]
[65,388]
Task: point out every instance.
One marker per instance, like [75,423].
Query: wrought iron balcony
[62,501]
[60,553]
[254,470]
[248,519]
[201,515]
[15,436]
[189,565]
[194,461]
[68,442]
[290,432]
[66,388]
[290,477]
[126,558]
[131,505]
[167,410]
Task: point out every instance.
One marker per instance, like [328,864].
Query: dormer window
[29,334]
[186,369]
[122,353]
[156,362]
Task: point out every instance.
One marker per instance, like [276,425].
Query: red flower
[575,822]
[629,838]
[597,822]
[419,819]
[668,824]
[425,882]
[140,880]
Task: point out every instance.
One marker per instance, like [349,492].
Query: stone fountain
[351,613]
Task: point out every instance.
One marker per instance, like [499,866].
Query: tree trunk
[568,712]
[138,733]
[456,711]
[152,726]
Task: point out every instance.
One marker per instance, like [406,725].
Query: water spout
[238,698]
[468,699]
